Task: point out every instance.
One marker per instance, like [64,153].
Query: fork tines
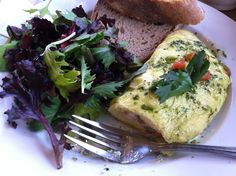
[102,141]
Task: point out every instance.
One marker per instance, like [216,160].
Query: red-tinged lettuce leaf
[79,12]
[27,106]
[49,110]
[29,65]
[36,33]
[107,21]
[43,32]
[27,82]
[15,33]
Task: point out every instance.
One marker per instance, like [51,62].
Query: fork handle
[219,150]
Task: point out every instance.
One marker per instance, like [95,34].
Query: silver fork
[125,147]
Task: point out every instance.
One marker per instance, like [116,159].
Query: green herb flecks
[147,108]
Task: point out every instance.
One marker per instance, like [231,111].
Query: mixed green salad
[72,65]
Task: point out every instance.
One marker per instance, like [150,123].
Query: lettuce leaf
[3,49]
[107,90]
[66,80]
[105,55]
[90,109]
[26,84]
[49,110]
[86,77]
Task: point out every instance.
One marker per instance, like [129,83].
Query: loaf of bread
[160,11]
[142,37]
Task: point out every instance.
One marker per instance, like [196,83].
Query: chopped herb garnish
[170,60]
[175,83]
[136,97]
[147,108]
[198,66]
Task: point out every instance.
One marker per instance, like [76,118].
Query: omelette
[179,118]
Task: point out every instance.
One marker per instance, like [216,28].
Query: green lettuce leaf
[65,80]
[107,90]
[91,108]
[89,39]
[68,15]
[86,77]
[104,54]
[3,49]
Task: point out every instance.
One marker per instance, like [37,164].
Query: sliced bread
[156,11]
[142,37]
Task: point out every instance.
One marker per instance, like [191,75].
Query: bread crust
[160,11]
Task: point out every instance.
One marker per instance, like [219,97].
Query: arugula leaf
[107,90]
[49,111]
[91,108]
[86,77]
[104,54]
[3,48]
[173,84]
[65,80]
[198,66]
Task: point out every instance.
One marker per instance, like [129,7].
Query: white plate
[30,154]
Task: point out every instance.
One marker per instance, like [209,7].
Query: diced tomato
[179,65]
[189,57]
[206,77]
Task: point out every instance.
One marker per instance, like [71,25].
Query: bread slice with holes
[155,11]
[142,37]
